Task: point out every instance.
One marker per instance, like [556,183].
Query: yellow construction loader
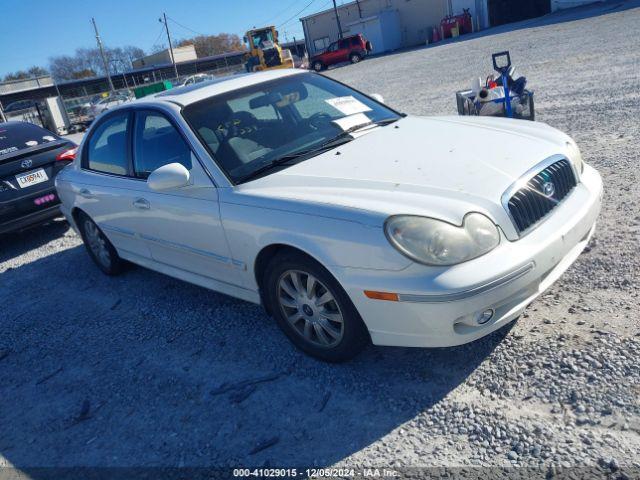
[264,51]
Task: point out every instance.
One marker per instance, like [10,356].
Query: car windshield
[252,128]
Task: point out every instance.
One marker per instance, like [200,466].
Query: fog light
[484,317]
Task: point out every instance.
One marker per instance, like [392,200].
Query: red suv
[349,49]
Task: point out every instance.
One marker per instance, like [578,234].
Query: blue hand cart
[469,105]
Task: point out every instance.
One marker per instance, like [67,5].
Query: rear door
[107,190]
[344,49]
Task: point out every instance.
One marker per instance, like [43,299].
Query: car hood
[438,166]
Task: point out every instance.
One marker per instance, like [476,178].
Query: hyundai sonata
[350,222]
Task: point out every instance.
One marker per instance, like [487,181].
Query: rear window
[20,136]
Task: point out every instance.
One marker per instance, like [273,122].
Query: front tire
[99,247]
[317,66]
[313,310]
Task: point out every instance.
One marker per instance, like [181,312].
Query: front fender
[332,242]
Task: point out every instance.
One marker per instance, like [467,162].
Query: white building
[393,24]
[182,54]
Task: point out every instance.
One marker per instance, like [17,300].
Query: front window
[156,143]
[262,39]
[320,44]
[249,129]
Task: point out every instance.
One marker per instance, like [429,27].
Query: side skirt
[206,282]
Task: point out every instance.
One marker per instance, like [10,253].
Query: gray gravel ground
[145,370]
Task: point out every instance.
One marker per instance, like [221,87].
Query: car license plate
[32,178]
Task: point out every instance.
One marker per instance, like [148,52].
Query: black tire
[354,333]
[355,58]
[317,66]
[110,263]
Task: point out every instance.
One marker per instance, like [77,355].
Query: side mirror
[377,97]
[172,175]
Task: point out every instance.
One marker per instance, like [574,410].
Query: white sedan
[350,222]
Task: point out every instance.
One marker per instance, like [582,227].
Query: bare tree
[158,47]
[133,53]
[207,45]
[63,67]
[87,62]
[32,72]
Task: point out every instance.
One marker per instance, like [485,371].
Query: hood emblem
[548,189]
[26,163]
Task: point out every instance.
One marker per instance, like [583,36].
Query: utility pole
[335,9]
[104,58]
[173,59]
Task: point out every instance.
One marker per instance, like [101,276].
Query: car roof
[217,86]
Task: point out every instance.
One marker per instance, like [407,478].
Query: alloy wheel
[310,308]
[97,243]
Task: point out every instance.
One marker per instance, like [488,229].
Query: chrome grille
[541,194]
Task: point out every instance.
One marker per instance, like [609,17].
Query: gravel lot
[144,370]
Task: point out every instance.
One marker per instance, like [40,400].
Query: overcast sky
[34,30]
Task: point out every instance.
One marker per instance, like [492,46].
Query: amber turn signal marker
[391,297]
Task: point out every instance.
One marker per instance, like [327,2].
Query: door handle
[142,203]
[85,193]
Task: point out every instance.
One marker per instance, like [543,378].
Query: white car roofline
[189,94]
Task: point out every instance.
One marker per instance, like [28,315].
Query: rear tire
[355,58]
[317,66]
[312,309]
[99,247]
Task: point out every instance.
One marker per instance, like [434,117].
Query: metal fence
[31,115]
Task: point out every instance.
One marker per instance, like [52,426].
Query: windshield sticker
[31,143]
[48,138]
[348,105]
[4,151]
[345,123]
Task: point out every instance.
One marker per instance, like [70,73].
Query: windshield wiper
[301,155]
[340,139]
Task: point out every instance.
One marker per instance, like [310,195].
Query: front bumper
[438,305]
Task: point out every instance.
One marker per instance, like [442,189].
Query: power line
[298,13]
[185,27]
[155,42]
[294,17]
[272,18]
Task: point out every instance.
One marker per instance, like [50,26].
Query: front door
[332,55]
[181,226]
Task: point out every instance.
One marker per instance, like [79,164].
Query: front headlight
[434,242]
[575,156]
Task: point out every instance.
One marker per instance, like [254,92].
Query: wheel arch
[75,216]
[264,257]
